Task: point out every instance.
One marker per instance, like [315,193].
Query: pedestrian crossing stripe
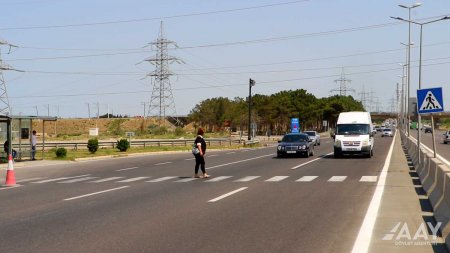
[430,102]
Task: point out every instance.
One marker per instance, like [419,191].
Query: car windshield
[310,133]
[355,129]
[387,130]
[295,138]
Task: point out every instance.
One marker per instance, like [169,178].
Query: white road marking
[106,179]
[212,155]
[362,242]
[184,180]
[9,187]
[306,179]
[189,159]
[227,194]
[303,164]
[132,168]
[132,179]
[229,153]
[337,178]
[28,179]
[95,193]
[57,179]
[225,164]
[163,163]
[76,180]
[217,179]
[276,178]
[160,179]
[368,179]
[247,178]
[245,150]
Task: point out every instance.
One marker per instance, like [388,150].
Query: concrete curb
[435,178]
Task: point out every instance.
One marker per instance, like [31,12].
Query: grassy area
[74,154]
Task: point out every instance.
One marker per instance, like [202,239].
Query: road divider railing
[434,174]
[137,143]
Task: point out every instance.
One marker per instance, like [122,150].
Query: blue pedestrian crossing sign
[430,100]
[295,126]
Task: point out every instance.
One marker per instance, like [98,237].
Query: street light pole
[419,118]
[408,90]
[250,84]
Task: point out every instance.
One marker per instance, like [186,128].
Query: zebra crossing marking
[184,180]
[58,179]
[132,179]
[247,179]
[276,178]
[160,179]
[76,180]
[306,179]
[106,179]
[337,179]
[217,179]
[368,179]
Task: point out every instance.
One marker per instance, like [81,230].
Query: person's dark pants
[199,162]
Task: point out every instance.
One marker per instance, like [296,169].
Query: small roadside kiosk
[17,131]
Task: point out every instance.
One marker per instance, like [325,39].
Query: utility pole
[4,99]
[37,112]
[162,102]
[342,85]
[108,111]
[48,110]
[98,115]
[89,111]
[250,84]
[144,104]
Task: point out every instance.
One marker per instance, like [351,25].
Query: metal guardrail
[137,143]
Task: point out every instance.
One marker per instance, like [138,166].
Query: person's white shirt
[33,140]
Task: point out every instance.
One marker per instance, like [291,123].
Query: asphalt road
[426,139]
[152,203]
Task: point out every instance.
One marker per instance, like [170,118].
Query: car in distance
[387,132]
[295,144]
[313,135]
[446,137]
[377,128]
[428,129]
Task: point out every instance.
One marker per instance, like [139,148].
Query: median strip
[227,194]
[95,193]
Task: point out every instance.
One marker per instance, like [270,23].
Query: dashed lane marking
[227,194]
[95,193]
[29,179]
[303,164]
[163,163]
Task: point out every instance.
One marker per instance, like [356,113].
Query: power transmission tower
[342,85]
[364,98]
[5,108]
[161,101]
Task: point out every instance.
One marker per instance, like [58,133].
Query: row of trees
[272,112]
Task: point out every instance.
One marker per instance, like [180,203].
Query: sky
[85,54]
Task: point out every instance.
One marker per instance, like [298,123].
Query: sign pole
[432,136]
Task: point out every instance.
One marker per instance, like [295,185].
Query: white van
[353,134]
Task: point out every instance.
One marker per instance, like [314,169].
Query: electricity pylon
[5,109]
[162,102]
[342,85]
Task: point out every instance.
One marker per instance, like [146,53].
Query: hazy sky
[76,52]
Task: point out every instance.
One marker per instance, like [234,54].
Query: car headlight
[279,147]
[365,143]
[304,147]
[337,143]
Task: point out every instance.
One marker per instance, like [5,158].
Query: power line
[155,18]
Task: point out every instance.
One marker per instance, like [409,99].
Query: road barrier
[434,174]
[137,143]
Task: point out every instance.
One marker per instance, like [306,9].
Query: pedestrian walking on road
[200,157]
[33,145]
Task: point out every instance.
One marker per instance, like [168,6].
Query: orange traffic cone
[10,178]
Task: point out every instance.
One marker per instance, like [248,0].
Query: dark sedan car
[295,144]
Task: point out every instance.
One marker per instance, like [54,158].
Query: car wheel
[279,156]
[445,142]
[318,144]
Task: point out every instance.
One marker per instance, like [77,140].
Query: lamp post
[250,84]
[409,60]
[419,118]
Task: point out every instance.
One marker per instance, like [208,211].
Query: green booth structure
[17,131]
